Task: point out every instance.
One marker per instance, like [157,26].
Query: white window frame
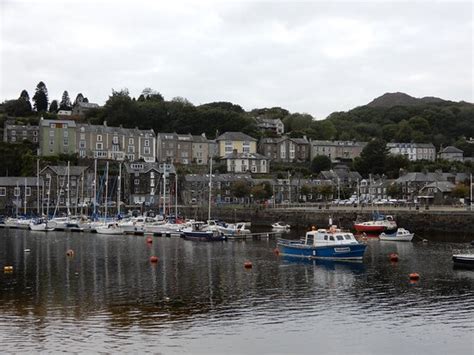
[3,191]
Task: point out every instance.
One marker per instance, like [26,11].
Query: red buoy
[149,240]
[70,252]
[414,276]
[393,257]
[248,265]
[276,251]
[153,259]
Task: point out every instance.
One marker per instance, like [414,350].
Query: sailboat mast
[17,197]
[67,191]
[119,188]
[164,191]
[210,190]
[106,189]
[48,193]
[95,186]
[176,195]
[38,186]
[25,199]
[82,193]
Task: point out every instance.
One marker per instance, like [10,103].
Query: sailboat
[201,231]
[111,227]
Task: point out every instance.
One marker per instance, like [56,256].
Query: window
[147,143]
[3,191]
[24,133]
[66,133]
[146,150]
[16,191]
[115,140]
[136,181]
[99,138]
[152,183]
[13,139]
[131,141]
[98,146]
[35,133]
[115,148]
[66,142]
[82,136]
[131,149]
[13,133]
[35,139]
[51,142]
[82,153]
[53,125]
[82,144]
[340,237]
[51,133]
[28,191]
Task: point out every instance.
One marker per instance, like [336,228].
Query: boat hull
[204,236]
[333,252]
[369,229]
[464,260]
[395,238]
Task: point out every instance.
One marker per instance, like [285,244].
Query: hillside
[402,99]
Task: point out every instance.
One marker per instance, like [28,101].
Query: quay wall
[420,221]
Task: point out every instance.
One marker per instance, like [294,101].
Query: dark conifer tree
[40,98]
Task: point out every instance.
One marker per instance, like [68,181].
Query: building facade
[19,195]
[285,149]
[336,150]
[57,137]
[413,151]
[274,125]
[174,148]
[451,153]
[13,133]
[115,143]
[247,162]
[144,183]
[235,141]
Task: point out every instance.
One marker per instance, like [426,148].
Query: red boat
[378,225]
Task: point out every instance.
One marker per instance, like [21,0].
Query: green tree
[40,98]
[393,164]
[65,103]
[79,99]
[53,108]
[372,158]
[26,98]
[240,189]
[320,163]
[460,191]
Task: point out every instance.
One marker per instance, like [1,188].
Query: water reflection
[109,297]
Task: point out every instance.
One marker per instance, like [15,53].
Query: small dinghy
[464,260]
[400,235]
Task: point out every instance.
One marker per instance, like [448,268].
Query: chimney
[105,123]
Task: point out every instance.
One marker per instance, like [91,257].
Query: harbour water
[200,299]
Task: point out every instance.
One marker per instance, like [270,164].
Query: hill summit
[401,99]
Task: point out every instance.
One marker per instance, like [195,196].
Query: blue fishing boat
[324,244]
[201,232]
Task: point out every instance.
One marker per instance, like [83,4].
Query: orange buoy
[276,251]
[393,257]
[414,276]
[248,265]
[153,259]
[8,269]
[149,240]
[70,252]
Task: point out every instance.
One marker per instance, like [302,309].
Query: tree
[262,191]
[53,108]
[40,98]
[320,163]
[26,98]
[148,94]
[240,189]
[372,158]
[65,103]
[79,99]
[460,191]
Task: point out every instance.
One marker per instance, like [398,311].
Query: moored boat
[199,231]
[40,225]
[280,226]
[400,235]
[111,228]
[464,260]
[378,224]
[324,244]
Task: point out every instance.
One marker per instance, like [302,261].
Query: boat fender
[153,259]
[70,253]
[248,264]
[393,257]
[414,276]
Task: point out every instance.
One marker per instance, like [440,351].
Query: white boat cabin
[333,236]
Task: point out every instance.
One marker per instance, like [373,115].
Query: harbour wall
[422,222]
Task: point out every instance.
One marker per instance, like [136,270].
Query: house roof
[204,178]
[452,149]
[18,180]
[235,136]
[61,170]
[337,143]
[142,167]
[443,186]
[410,145]
[86,127]
[46,123]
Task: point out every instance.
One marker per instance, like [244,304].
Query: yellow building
[238,142]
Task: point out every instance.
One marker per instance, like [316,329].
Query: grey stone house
[18,194]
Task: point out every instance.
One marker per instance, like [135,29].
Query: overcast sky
[313,56]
